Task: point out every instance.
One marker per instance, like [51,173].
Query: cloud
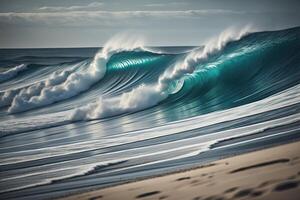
[114,19]
[91,6]
[166,4]
[155,5]
[107,18]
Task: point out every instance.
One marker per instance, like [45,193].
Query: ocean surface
[77,119]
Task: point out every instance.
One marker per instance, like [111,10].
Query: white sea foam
[6,97]
[6,75]
[52,90]
[142,97]
[57,77]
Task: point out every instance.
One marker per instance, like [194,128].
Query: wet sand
[272,173]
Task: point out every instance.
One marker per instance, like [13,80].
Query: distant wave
[6,75]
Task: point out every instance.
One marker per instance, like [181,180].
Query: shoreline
[252,175]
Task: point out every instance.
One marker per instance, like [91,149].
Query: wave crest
[188,64]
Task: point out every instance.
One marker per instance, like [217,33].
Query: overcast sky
[89,23]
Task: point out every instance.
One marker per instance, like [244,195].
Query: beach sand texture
[272,173]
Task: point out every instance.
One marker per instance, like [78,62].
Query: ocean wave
[66,85]
[146,96]
[11,73]
[137,79]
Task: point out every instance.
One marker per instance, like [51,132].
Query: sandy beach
[272,173]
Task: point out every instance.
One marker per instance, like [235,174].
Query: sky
[90,23]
